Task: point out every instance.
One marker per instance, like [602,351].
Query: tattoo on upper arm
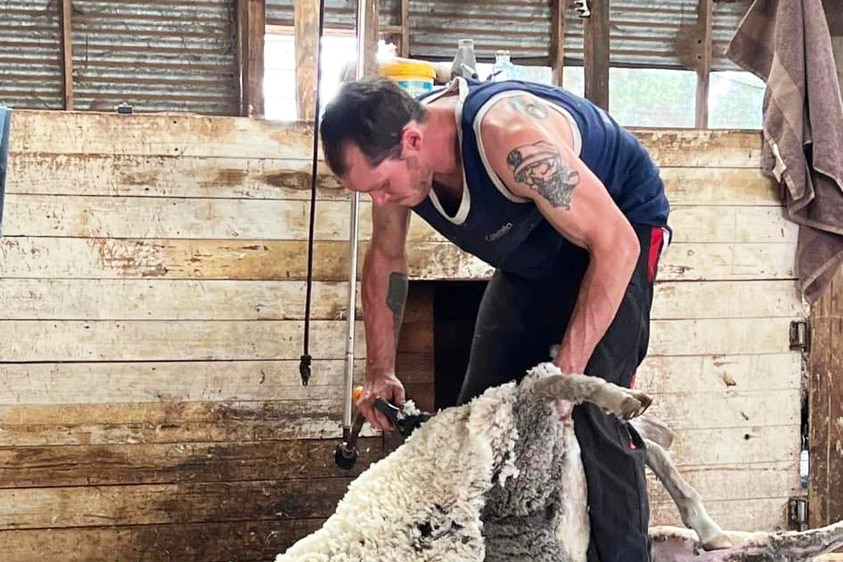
[529,105]
[396,299]
[539,166]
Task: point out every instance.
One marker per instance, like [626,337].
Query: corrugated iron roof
[30,67]
[644,33]
[155,55]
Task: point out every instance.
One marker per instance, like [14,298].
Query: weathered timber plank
[203,422]
[277,178]
[276,500]
[222,219]
[138,340]
[122,175]
[702,149]
[685,262]
[175,218]
[764,514]
[193,135]
[106,465]
[188,381]
[696,374]
[738,482]
[152,299]
[173,259]
[162,503]
[239,541]
[719,336]
[192,340]
[826,406]
[727,299]
[709,185]
[169,422]
[173,134]
[727,408]
[164,299]
[733,225]
[736,445]
[192,461]
[709,262]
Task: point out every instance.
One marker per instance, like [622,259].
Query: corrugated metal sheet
[339,14]
[522,26]
[727,15]
[30,67]
[156,55]
[646,33]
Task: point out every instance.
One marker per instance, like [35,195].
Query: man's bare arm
[384,291]
[530,151]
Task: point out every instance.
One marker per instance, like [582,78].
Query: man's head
[372,137]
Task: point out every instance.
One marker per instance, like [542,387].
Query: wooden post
[405,28]
[306,18]
[371,34]
[596,53]
[825,482]
[704,48]
[66,22]
[557,40]
[251,27]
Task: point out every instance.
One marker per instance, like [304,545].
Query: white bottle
[503,69]
[465,63]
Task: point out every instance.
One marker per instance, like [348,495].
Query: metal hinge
[797,513]
[800,336]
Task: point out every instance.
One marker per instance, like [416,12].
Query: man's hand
[387,387]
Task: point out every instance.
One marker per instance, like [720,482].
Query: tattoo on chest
[539,166]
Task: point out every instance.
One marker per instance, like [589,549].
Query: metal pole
[353,235]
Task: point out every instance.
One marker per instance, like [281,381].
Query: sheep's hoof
[634,404]
[719,542]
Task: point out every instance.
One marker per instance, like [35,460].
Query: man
[570,210]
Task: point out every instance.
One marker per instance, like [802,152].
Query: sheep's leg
[687,499]
[651,428]
[622,402]
[672,544]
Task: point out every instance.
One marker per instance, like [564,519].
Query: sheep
[500,479]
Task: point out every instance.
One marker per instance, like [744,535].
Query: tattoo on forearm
[540,167]
[531,106]
[396,298]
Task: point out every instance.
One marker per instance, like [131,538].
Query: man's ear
[412,138]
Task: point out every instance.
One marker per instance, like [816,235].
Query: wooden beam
[703,57]
[65,19]
[596,51]
[371,34]
[405,28]
[306,18]
[251,27]
[825,406]
[557,40]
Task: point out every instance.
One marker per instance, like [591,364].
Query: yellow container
[414,76]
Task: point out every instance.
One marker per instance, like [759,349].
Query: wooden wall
[151,276]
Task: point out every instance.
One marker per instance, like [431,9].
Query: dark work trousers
[518,321]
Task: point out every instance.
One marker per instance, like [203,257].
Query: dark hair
[371,114]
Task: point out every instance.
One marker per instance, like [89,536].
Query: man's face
[398,181]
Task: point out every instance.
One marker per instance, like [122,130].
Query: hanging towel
[787,44]
[5,126]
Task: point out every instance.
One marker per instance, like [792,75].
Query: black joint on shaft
[304,369]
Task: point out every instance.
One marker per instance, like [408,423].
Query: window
[652,97]
[279,85]
[735,100]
